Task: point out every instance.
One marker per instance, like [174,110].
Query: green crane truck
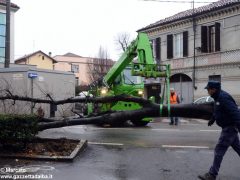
[126,77]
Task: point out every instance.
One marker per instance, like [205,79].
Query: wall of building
[64,63]
[59,85]
[41,61]
[230,79]
[225,62]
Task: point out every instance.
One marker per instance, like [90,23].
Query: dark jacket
[226,112]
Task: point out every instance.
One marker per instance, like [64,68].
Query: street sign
[32,75]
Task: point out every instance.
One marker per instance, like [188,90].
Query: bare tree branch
[123,41]
[99,65]
[106,99]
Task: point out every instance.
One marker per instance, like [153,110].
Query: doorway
[182,84]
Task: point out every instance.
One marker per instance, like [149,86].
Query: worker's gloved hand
[211,121]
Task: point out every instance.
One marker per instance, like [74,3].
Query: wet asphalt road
[156,152]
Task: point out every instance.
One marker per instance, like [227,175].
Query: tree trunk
[200,111]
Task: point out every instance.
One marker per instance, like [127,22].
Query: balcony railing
[225,57]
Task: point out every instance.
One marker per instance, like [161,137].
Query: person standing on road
[174,99]
[227,116]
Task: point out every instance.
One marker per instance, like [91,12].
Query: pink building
[86,69]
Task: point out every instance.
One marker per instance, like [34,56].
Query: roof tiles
[197,11]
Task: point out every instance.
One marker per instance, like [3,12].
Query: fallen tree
[201,111]
[149,109]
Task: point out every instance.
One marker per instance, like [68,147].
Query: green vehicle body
[126,77]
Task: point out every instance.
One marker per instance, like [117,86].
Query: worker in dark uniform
[227,116]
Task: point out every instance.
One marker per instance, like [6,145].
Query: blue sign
[32,75]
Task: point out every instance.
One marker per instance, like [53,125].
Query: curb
[82,144]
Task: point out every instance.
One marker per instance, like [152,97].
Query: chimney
[50,54]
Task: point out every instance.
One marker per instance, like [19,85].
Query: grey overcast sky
[82,26]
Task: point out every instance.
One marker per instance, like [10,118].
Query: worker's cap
[213,85]
[171,89]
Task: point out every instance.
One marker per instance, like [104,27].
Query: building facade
[14,9]
[38,58]
[200,44]
[86,69]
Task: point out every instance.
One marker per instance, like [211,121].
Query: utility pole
[7,40]
[194,49]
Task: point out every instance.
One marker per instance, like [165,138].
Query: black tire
[139,122]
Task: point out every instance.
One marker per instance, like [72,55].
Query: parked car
[83,94]
[202,100]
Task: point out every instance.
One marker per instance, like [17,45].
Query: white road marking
[216,130]
[109,144]
[77,127]
[189,124]
[191,147]
[112,128]
[186,130]
[161,129]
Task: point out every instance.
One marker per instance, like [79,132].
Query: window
[157,49]
[74,68]
[177,45]
[42,57]
[2,36]
[2,18]
[2,30]
[215,78]
[170,46]
[129,79]
[2,41]
[210,38]
[2,52]
[2,59]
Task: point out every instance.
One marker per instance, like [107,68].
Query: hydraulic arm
[139,48]
[125,77]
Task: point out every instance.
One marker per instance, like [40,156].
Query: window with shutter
[185,43]
[170,46]
[158,49]
[204,39]
[178,45]
[210,38]
[217,37]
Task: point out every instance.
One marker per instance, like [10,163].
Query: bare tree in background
[122,41]
[100,65]
[102,53]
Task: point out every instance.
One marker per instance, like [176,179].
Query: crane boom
[140,48]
